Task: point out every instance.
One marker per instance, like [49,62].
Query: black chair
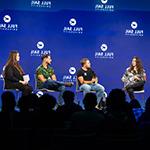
[16,91]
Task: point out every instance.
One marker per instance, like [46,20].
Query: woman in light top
[134,78]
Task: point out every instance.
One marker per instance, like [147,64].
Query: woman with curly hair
[135,77]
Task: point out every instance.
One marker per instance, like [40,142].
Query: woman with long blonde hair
[13,74]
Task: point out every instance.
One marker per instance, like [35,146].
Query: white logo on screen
[72,22]
[7,18]
[72,70]
[134,25]
[40,45]
[39,93]
[104,47]
[104,1]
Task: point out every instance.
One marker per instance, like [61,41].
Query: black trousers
[26,89]
[130,88]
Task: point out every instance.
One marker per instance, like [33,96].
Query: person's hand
[136,78]
[23,82]
[94,80]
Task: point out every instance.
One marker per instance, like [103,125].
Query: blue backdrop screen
[108,37]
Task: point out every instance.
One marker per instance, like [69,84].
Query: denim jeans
[56,86]
[86,88]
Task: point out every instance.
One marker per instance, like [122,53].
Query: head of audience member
[46,59]
[90,101]
[47,103]
[116,99]
[135,103]
[8,101]
[85,63]
[68,97]
[28,103]
[147,105]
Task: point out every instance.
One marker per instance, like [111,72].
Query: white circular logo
[40,45]
[134,25]
[72,22]
[7,18]
[39,93]
[104,47]
[72,70]
[104,1]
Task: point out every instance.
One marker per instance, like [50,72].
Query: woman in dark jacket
[13,75]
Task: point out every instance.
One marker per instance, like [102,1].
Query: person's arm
[23,82]
[145,78]
[137,78]
[141,76]
[124,77]
[95,78]
[9,74]
[82,81]
[41,78]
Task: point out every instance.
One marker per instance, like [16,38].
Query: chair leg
[17,95]
[76,98]
[143,98]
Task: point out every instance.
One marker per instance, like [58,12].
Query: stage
[109,33]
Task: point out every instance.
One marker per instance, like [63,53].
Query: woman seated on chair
[134,78]
[13,75]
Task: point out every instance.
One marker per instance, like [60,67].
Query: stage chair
[44,90]
[16,91]
[142,91]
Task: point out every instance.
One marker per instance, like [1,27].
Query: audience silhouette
[69,106]
[89,120]
[39,119]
